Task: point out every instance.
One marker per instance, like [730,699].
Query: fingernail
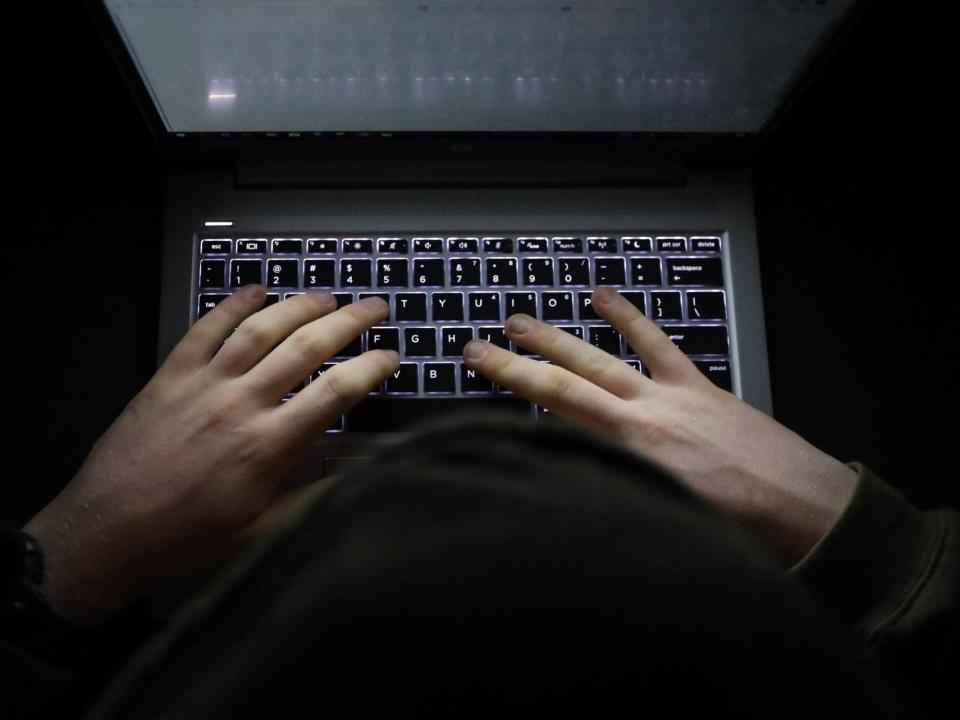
[323,298]
[375,303]
[394,355]
[252,291]
[604,295]
[476,349]
[518,325]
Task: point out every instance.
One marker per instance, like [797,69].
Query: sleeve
[891,574]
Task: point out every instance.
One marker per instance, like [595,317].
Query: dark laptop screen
[662,66]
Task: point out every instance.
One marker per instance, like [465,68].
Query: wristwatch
[26,619]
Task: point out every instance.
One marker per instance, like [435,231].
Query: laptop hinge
[464,173]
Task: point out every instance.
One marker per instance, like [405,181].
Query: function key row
[463,272]
[437,245]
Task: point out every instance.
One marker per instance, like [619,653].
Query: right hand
[780,488]
[193,465]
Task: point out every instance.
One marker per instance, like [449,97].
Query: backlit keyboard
[446,289]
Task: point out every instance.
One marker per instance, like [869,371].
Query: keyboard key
[699,243]
[557,306]
[383,338]
[665,306]
[402,381]
[609,271]
[252,246]
[392,273]
[574,330]
[497,245]
[448,306]
[383,296]
[717,371]
[208,302]
[454,338]
[411,307]
[439,378]
[272,299]
[645,271]
[464,272]
[671,244]
[574,271]
[428,245]
[463,245]
[586,307]
[358,246]
[700,339]
[495,335]
[355,273]
[602,244]
[567,244]
[219,246]
[319,273]
[521,302]
[351,350]
[420,342]
[212,273]
[343,299]
[635,364]
[706,306]
[606,338]
[501,272]
[399,246]
[321,246]
[538,271]
[637,244]
[705,271]
[484,306]
[532,244]
[287,296]
[245,272]
[283,273]
[428,273]
[315,375]
[472,382]
[636,299]
[288,246]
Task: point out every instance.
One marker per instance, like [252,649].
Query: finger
[589,362]
[207,334]
[256,336]
[309,346]
[317,406]
[559,390]
[664,359]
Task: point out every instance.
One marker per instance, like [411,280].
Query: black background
[854,214]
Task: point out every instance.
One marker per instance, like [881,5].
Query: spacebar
[398,414]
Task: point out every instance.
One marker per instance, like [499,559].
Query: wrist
[801,510]
[76,577]
[27,619]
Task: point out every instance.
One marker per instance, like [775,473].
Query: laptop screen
[584,66]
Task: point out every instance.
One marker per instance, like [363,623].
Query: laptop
[465,161]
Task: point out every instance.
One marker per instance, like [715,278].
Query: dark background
[854,220]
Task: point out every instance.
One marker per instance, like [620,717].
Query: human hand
[192,467]
[777,486]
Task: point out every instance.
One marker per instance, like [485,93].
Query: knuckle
[341,386]
[306,345]
[557,383]
[253,332]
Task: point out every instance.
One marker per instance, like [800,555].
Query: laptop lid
[247,79]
